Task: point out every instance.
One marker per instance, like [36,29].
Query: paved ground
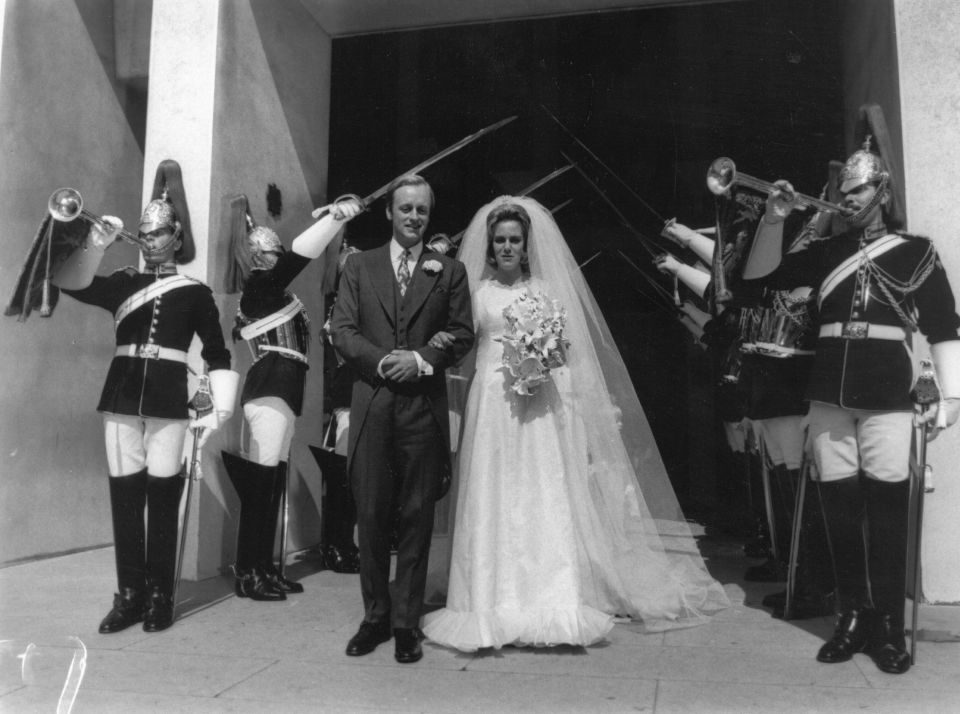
[232,655]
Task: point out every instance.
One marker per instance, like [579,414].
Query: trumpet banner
[53,244]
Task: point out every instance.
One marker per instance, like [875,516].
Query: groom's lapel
[384,281]
[420,286]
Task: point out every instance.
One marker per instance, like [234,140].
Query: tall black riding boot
[843,512]
[163,525]
[339,519]
[887,517]
[254,486]
[128,496]
[268,534]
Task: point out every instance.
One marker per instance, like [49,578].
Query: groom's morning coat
[371,319]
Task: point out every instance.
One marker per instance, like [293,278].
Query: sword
[546,179]
[603,165]
[648,244]
[202,404]
[285,521]
[925,393]
[317,213]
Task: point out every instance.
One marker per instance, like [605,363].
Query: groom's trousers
[397,463]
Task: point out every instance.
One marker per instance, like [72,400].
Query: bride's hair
[508,212]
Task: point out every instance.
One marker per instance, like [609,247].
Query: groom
[392,300]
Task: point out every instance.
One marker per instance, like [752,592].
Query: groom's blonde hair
[408,180]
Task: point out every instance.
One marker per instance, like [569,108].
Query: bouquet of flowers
[533,341]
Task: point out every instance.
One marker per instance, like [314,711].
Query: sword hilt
[926,391]
[202,401]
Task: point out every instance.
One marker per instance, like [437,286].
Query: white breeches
[271,422]
[135,443]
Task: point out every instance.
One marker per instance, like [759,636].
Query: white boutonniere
[432,267]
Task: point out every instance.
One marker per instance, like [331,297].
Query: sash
[850,265]
[273,320]
[151,292]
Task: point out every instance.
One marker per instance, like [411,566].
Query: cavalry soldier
[144,401]
[875,287]
[772,336]
[274,324]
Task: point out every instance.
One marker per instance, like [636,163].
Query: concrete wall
[929,80]
[64,121]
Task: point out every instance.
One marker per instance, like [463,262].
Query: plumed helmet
[263,240]
[159,213]
[249,243]
[875,162]
[168,208]
[862,167]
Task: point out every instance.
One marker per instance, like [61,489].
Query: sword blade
[603,165]
[452,149]
[549,177]
[644,241]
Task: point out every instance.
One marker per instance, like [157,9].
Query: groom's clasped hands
[401,366]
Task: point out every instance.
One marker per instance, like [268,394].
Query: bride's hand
[441,341]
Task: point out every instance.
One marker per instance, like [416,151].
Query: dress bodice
[489,302]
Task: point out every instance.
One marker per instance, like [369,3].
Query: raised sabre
[317,213]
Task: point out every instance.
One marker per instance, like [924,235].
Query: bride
[565,516]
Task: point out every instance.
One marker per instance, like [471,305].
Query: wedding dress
[553,534]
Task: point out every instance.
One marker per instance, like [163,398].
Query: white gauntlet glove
[946,362]
[102,235]
[689,238]
[313,241]
[80,268]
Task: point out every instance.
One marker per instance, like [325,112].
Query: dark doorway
[656,94]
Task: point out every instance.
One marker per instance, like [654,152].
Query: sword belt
[863,331]
[151,352]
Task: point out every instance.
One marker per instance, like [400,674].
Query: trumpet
[66,204]
[723,174]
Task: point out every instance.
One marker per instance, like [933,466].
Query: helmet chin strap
[148,252]
[874,202]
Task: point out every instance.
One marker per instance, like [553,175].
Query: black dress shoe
[128,609]
[278,582]
[887,647]
[159,615]
[367,638]
[853,628]
[407,645]
[254,584]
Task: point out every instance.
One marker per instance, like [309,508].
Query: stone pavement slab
[226,654]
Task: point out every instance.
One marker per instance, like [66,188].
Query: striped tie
[403,272]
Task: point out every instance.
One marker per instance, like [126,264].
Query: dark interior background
[649,99]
